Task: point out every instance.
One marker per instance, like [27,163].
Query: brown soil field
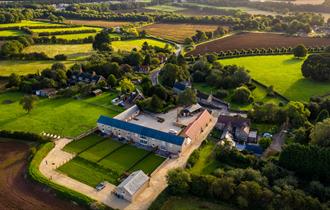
[257,40]
[99,23]
[16,191]
[176,32]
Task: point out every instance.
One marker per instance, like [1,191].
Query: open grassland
[99,23]
[165,8]
[28,23]
[257,40]
[176,32]
[284,73]
[26,67]
[129,45]
[64,117]
[9,33]
[73,51]
[51,30]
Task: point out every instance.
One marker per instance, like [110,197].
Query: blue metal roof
[144,131]
[179,86]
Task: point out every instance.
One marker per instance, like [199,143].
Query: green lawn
[41,30]
[87,172]
[284,73]
[29,23]
[149,164]
[123,159]
[73,51]
[65,117]
[128,45]
[8,33]
[100,150]
[26,67]
[83,144]
[165,8]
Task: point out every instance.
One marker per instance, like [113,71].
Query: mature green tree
[172,73]
[135,59]
[126,85]
[320,134]
[265,142]
[14,80]
[156,104]
[102,41]
[187,97]
[223,188]
[112,81]
[178,181]
[28,102]
[317,67]
[297,114]
[242,95]
[10,48]
[300,51]
[146,86]
[324,114]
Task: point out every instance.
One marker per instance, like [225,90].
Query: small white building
[132,186]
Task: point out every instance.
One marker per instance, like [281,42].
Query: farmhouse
[237,125]
[197,127]
[132,186]
[85,77]
[48,92]
[142,135]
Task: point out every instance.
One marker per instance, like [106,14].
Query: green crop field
[27,67]
[83,144]
[65,117]
[123,159]
[73,51]
[41,30]
[9,33]
[28,23]
[87,172]
[128,45]
[100,150]
[284,73]
[74,36]
[165,8]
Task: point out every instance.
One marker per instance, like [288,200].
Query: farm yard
[99,23]
[256,40]
[284,73]
[64,116]
[73,51]
[21,67]
[104,159]
[128,45]
[176,32]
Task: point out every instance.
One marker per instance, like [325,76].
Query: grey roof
[134,182]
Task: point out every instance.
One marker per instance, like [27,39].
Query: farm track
[17,192]
[257,40]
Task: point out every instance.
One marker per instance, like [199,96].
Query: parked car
[100,186]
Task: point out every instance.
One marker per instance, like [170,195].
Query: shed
[190,110]
[132,185]
[97,92]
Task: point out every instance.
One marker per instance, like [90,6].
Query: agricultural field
[99,23]
[128,45]
[21,67]
[283,72]
[165,8]
[73,51]
[29,23]
[74,36]
[52,30]
[109,157]
[176,32]
[256,40]
[64,117]
[9,33]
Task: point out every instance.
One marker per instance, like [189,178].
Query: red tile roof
[195,128]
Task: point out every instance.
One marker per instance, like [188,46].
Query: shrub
[242,95]
[221,93]
[27,136]
[61,57]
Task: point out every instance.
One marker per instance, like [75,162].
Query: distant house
[191,110]
[85,77]
[132,186]
[48,92]
[196,128]
[237,125]
[117,29]
[97,92]
[179,87]
[211,101]
[253,137]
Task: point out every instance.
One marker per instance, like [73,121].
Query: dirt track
[18,193]
[257,40]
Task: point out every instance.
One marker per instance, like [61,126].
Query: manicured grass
[82,144]
[87,172]
[123,159]
[26,67]
[65,116]
[128,45]
[149,164]
[73,51]
[284,73]
[28,23]
[165,8]
[40,30]
[8,33]
[100,150]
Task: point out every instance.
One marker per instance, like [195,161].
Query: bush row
[23,136]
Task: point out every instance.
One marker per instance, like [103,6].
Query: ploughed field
[176,32]
[257,40]
[104,159]
[17,191]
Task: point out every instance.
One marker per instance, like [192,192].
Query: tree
[172,73]
[242,95]
[112,81]
[28,102]
[320,134]
[156,104]
[10,48]
[135,59]
[146,86]
[14,80]
[126,85]
[102,41]
[317,67]
[223,188]
[300,51]
[265,142]
[178,181]
[324,114]
[188,41]
[187,97]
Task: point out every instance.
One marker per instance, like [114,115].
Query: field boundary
[110,153]
[139,161]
